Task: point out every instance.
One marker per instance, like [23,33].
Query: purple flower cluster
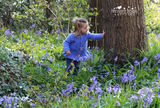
[9,33]
[147,94]
[156,57]
[136,62]
[114,89]
[95,88]
[13,101]
[128,76]
[69,89]
[145,59]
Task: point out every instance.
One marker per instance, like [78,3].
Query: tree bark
[124,23]
[96,21]
[48,14]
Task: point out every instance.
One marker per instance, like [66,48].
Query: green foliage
[152,16]
[48,16]
[32,64]
[12,79]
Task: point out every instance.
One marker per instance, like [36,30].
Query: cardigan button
[81,36]
[81,48]
[81,42]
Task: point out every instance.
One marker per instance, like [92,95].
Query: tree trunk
[96,21]
[48,14]
[124,23]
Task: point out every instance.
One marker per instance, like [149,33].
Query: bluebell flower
[43,47]
[116,88]
[7,32]
[148,90]
[75,88]
[134,86]
[98,90]
[141,92]
[92,98]
[131,78]
[40,100]
[124,78]
[117,103]
[158,75]
[50,59]
[58,31]
[39,33]
[134,97]
[148,99]
[33,56]
[83,85]
[1,100]
[9,105]
[144,60]
[132,68]
[13,94]
[34,25]
[109,89]
[10,99]
[136,62]
[44,100]
[158,95]
[95,104]
[32,105]
[106,74]
[24,41]
[156,57]
[90,68]
[47,68]
[93,79]
[33,44]
[99,95]
[158,62]
[25,31]
[115,59]
[12,36]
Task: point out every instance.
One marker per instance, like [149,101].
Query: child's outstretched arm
[96,36]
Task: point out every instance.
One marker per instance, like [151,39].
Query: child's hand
[68,53]
[103,33]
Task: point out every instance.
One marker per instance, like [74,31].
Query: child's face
[84,28]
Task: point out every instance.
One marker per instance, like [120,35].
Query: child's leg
[69,66]
[76,64]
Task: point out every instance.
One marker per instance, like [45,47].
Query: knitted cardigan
[77,45]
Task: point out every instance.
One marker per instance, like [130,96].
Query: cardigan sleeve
[93,36]
[67,43]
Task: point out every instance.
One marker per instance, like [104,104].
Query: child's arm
[94,36]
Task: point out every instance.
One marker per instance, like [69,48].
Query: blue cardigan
[77,45]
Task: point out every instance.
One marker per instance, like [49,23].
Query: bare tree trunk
[124,23]
[48,14]
[96,21]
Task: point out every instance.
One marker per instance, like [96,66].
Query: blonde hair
[77,25]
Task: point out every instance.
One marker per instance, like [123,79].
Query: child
[75,45]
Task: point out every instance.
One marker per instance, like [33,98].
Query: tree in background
[96,21]
[124,23]
[48,15]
